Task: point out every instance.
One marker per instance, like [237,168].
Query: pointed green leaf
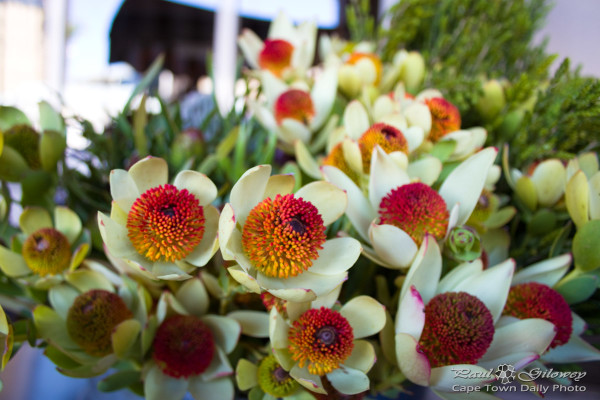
[119,380]
[50,119]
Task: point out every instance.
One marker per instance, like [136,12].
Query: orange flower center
[417,209]
[294,104]
[165,223]
[322,339]
[445,118]
[282,237]
[458,329]
[389,138]
[276,56]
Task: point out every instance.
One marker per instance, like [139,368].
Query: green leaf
[119,380]
[140,120]
[585,246]
[443,149]
[146,81]
[52,148]
[578,288]
[51,120]
[10,116]
[13,166]
[60,359]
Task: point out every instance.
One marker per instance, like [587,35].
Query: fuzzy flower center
[270,301]
[417,209]
[321,339]
[294,104]
[389,138]
[47,252]
[183,346]
[282,237]
[275,380]
[535,300]
[458,329]
[92,319]
[276,56]
[445,118]
[165,223]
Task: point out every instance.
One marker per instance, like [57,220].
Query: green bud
[413,71]
[492,101]
[464,244]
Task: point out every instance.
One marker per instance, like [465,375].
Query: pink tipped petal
[293,288]
[413,364]
[363,356]
[115,237]
[278,330]
[453,218]
[149,172]
[425,270]
[123,189]
[547,272]
[310,381]
[574,351]
[359,210]
[579,325]
[209,244]
[491,286]
[392,245]
[365,314]
[244,278]
[464,184]
[218,389]
[532,335]
[219,366]
[356,120]
[444,378]
[227,224]
[337,256]
[330,200]
[352,155]
[197,184]
[426,169]
[327,300]
[348,380]
[158,386]
[248,191]
[385,176]
[410,318]
[459,274]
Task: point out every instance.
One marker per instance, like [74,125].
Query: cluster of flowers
[398,182]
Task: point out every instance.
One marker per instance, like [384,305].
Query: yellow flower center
[47,252]
[165,223]
[275,380]
[282,237]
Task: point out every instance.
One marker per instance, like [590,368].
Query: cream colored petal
[218,389]
[61,298]
[278,330]
[246,374]
[264,116]
[426,169]
[292,130]
[169,272]
[227,225]
[576,350]
[363,356]
[158,386]
[414,137]
[272,86]
[392,245]
[418,114]
[197,184]
[84,280]
[517,360]
[348,380]
[244,278]
[365,314]
[413,363]
[248,191]
[34,218]
[253,323]
[352,155]
[323,96]
[149,172]
[527,335]
[219,367]
[251,46]
[67,222]
[549,178]
[579,325]
[226,331]
[208,245]
[458,274]
[444,378]
[464,184]
[295,309]
[279,184]
[303,287]
[326,300]
[123,189]
[547,272]
[425,271]
[310,381]
[410,318]
[577,195]
[594,204]
[385,176]
[330,200]
[306,161]
[193,296]
[356,120]
[13,264]
[115,237]
[294,294]
[337,256]
[284,358]
[359,210]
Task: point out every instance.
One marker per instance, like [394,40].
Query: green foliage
[361,24]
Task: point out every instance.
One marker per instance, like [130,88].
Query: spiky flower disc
[458,329]
[535,300]
[321,339]
[386,136]
[47,252]
[270,301]
[92,319]
[183,346]
[282,237]
[445,117]
[417,209]
[295,104]
[165,223]
[275,380]
[276,56]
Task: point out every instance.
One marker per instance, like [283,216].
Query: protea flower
[167,229]
[455,323]
[278,237]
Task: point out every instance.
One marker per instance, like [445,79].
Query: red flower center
[165,223]
[417,209]
[183,346]
[322,339]
[282,237]
[294,104]
[276,56]
[445,117]
[535,300]
[458,329]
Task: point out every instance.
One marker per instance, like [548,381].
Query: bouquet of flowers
[348,230]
